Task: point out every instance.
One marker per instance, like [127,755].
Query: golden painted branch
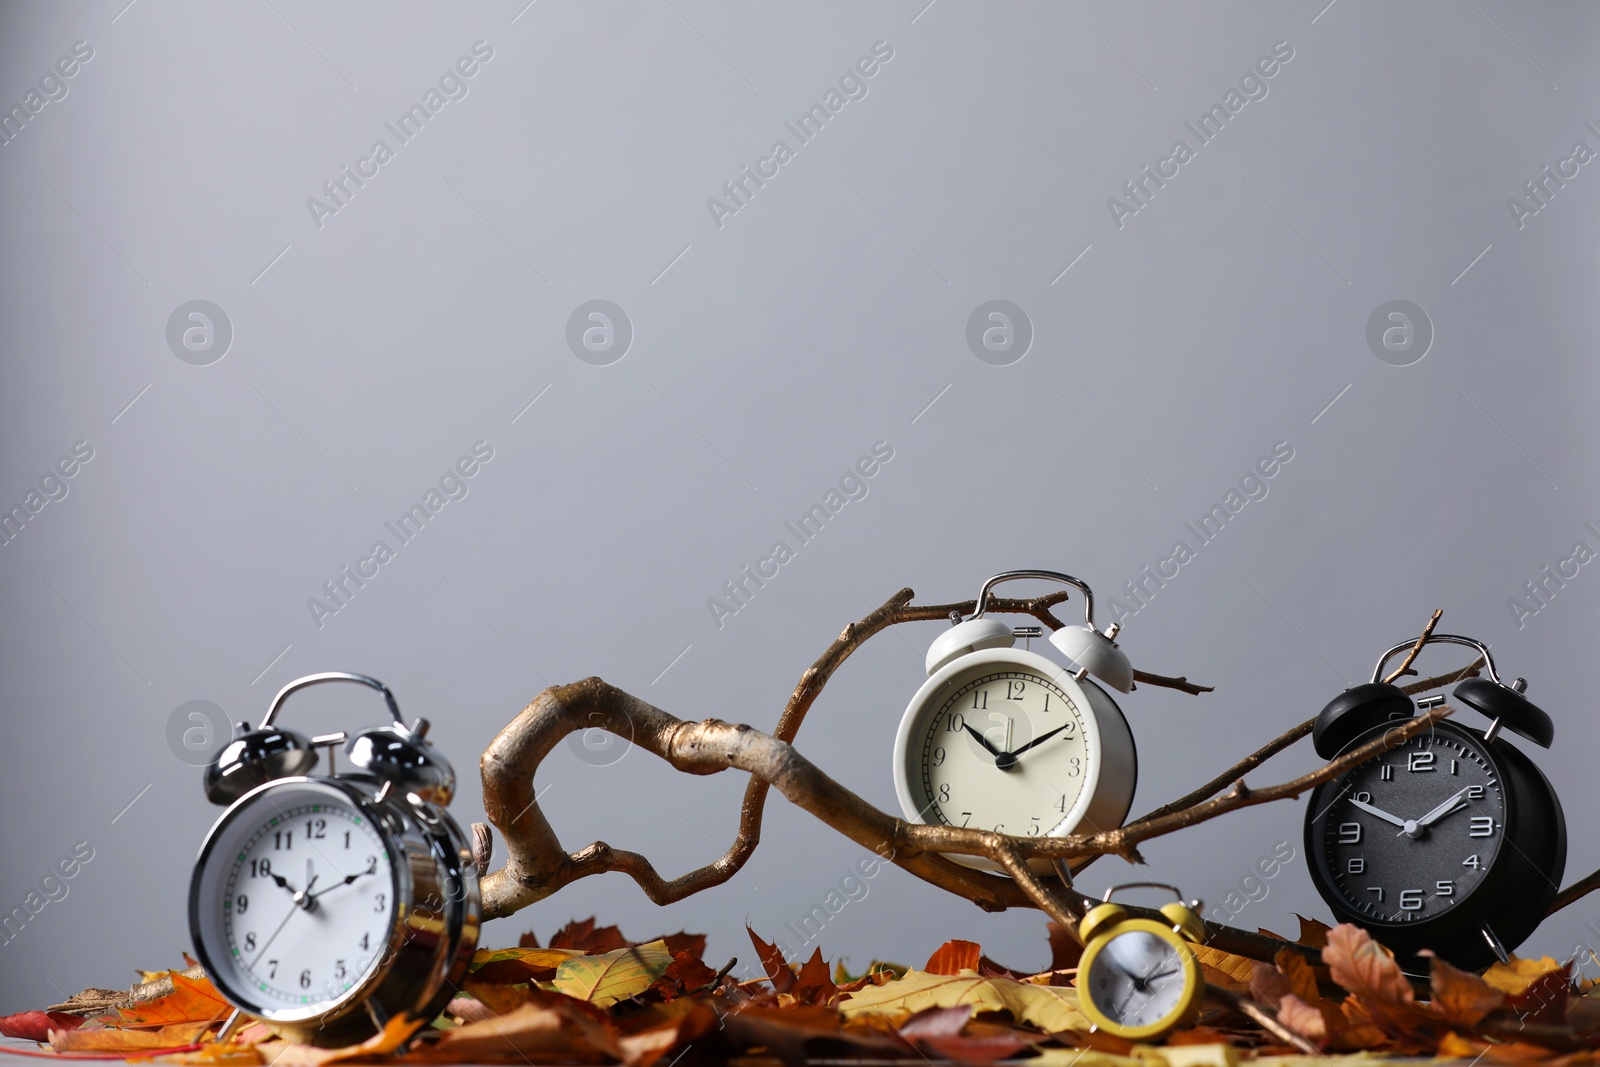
[537,866]
[1405,664]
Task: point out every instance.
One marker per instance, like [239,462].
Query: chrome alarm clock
[1005,739]
[326,905]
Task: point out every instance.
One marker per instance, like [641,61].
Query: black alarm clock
[1454,841]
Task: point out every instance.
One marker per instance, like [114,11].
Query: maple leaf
[778,972]
[36,1025]
[686,972]
[953,957]
[192,1000]
[812,985]
[585,937]
[1365,968]
[693,944]
[613,976]
[1515,977]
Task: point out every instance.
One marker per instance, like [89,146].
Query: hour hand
[1379,812]
[984,741]
[1444,809]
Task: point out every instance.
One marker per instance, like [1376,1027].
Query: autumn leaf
[1048,1008]
[812,985]
[1303,1019]
[1224,968]
[94,1039]
[588,939]
[1366,968]
[684,974]
[613,976]
[1459,998]
[192,1000]
[36,1025]
[1544,1001]
[953,957]
[1515,977]
[778,972]
[554,1028]
[511,965]
[1065,950]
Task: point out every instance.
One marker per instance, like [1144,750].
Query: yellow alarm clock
[1138,978]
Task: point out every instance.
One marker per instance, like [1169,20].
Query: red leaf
[36,1025]
[683,974]
[953,957]
[529,940]
[814,986]
[693,944]
[778,971]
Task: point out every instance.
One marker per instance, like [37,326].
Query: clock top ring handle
[1089,650]
[1442,639]
[332,676]
[1183,915]
[1500,702]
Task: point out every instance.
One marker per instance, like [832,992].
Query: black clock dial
[1414,832]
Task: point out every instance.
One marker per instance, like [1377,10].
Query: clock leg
[235,1023]
[1495,946]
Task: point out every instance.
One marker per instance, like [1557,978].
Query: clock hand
[371,869]
[268,944]
[1379,812]
[1041,739]
[283,883]
[984,741]
[1453,804]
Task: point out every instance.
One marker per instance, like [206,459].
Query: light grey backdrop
[374,340]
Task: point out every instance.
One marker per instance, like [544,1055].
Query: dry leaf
[1303,1019]
[1065,949]
[1460,998]
[588,939]
[1366,968]
[36,1025]
[554,1029]
[178,1036]
[192,1000]
[778,972]
[953,957]
[1224,968]
[812,985]
[613,976]
[1046,1007]
[1514,977]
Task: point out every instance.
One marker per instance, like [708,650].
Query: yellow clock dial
[1140,981]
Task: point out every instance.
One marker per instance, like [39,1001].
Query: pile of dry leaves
[593,997]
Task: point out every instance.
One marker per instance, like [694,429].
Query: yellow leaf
[614,976]
[93,1039]
[1201,1056]
[396,1032]
[1050,1008]
[1515,977]
[1234,967]
[537,957]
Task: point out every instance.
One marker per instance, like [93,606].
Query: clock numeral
[1061,805]
[1481,826]
[1419,761]
[1378,889]
[249,942]
[1387,774]
[1349,833]
[378,902]
[1445,887]
[261,868]
[1472,861]
[980,700]
[998,827]
[241,904]
[305,978]
[347,839]
[316,829]
[338,968]
[1074,767]
[1364,797]
[1014,690]
[966,818]
[1356,866]
[1047,700]
[1452,766]
[1410,900]
[1035,830]
[272,968]
[938,757]
[944,793]
[282,840]
[366,942]
[1475,792]
[956,724]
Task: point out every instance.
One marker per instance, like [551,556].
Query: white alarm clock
[326,905]
[1004,739]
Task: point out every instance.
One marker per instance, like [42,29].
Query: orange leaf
[192,1000]
[1366,968]
[1312,932]
[395,1033]
[86,1039]
[1459,998]
[1224,968]
[1514,977]
[953,957]
[512,965]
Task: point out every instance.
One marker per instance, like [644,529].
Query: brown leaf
[797,1034]
[693,944]
[1544,1001]
[936,1022]
[512,965]
[36,1025]
[1268,984]
[528,940]
[1313,933]
[644,1047]
[812,985]
[1302,979]
[1366,968]
[553,1029]
[496,997]
[778,972]
[1224,968]
[585,937]
[1460,998]
[684,974]
[1065,951]
[1303,1019]
[953,957]
[981,1043]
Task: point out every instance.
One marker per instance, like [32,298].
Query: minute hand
[1379,812]
[1041,739]
[1443,809]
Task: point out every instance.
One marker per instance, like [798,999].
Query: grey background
[369,354]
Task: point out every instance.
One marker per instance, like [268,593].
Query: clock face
[1137,979]
[297,901]
[1409,835]
[1002,749]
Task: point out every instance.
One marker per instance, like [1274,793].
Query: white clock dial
[1005,750]
[1137,979]
[303,900]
